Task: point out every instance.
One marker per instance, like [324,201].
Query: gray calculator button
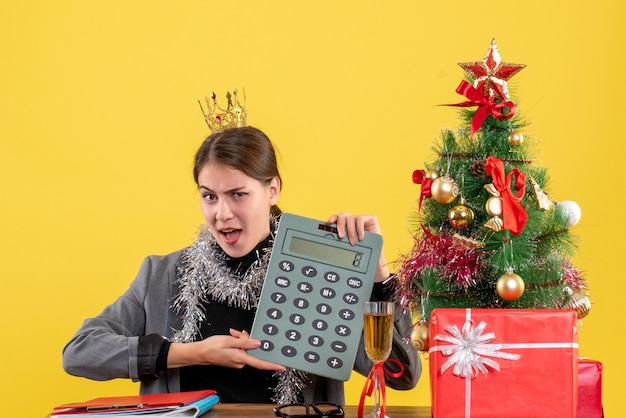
[296,319]
[293,335]
[266,345]
[342,330]
[311,357]
[274,313]
[331,276]
[301,303]
[350,298]
[278,297]
[338,346]
[346,314]
[323,308]
[334,363]
[328,293]
[309,271]
[305,287]
[286,265]
[270,329]
[355,282]
[320,325]
[289,351]
[316,341]
[282,281]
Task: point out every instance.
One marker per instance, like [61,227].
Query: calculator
[310,312]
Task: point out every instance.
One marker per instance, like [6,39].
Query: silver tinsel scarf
[204,272]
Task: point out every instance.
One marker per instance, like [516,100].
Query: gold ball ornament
[460,216]
[581,304]
[420,337]
[444,189]
[516,139]
[432,174]
[510,286]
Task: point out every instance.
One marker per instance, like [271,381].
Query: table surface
[247,410]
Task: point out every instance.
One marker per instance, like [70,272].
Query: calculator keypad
[309,321]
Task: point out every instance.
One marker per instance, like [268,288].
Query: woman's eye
[208,196]
[239,194]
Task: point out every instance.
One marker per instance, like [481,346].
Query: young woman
[184,322]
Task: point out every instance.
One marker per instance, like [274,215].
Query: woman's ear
[274,190]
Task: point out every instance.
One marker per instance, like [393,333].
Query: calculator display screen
[337,256]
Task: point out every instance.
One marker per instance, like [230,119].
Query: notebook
[181,404]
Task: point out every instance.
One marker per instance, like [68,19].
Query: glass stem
[377,395]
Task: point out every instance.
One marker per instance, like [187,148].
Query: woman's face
[236,207]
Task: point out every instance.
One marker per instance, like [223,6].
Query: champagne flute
[378,335]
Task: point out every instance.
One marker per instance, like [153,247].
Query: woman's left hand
[354,227]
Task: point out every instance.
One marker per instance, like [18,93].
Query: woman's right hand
[220,350]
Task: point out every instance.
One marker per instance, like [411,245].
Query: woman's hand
[220,350]
[354,227]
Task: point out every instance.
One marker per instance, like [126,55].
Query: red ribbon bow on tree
[378,370]
[419,177]
[513,214]
[486,105]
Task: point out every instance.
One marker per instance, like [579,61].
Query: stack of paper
[181,404]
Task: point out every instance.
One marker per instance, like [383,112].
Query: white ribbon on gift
[469,351]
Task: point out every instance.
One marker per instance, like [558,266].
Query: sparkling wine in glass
[378,335]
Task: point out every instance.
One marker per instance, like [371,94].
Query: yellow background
[99,122]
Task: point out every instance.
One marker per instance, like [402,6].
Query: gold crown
[219,119]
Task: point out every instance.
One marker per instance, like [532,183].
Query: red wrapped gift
[503,363]
[589,389]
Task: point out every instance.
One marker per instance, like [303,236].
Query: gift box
[503,363]
[589,389]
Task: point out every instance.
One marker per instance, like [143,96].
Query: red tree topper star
[490,74]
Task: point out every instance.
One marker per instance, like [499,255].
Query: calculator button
[278,297]
[274,313]
[289,351]
[297,319]
[270,329]
[316,341]
[350,298]
[305,287]
[334,363]
[282,281]
[323,308]
[328,293]
[346,314]
[320,325]
[286,265]
[266,345]
[309,271]
[311,357]
[331,276]
[293,335]
[342,330]
[338,346]
[355,282]
[301,303]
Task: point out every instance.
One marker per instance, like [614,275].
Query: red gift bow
[513,213]
[419,177]
[485,105]
[378,369]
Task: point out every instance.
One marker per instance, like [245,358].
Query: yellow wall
[99,121]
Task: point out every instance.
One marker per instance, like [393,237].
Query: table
[247,410]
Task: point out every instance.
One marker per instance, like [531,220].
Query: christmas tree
[486,232]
